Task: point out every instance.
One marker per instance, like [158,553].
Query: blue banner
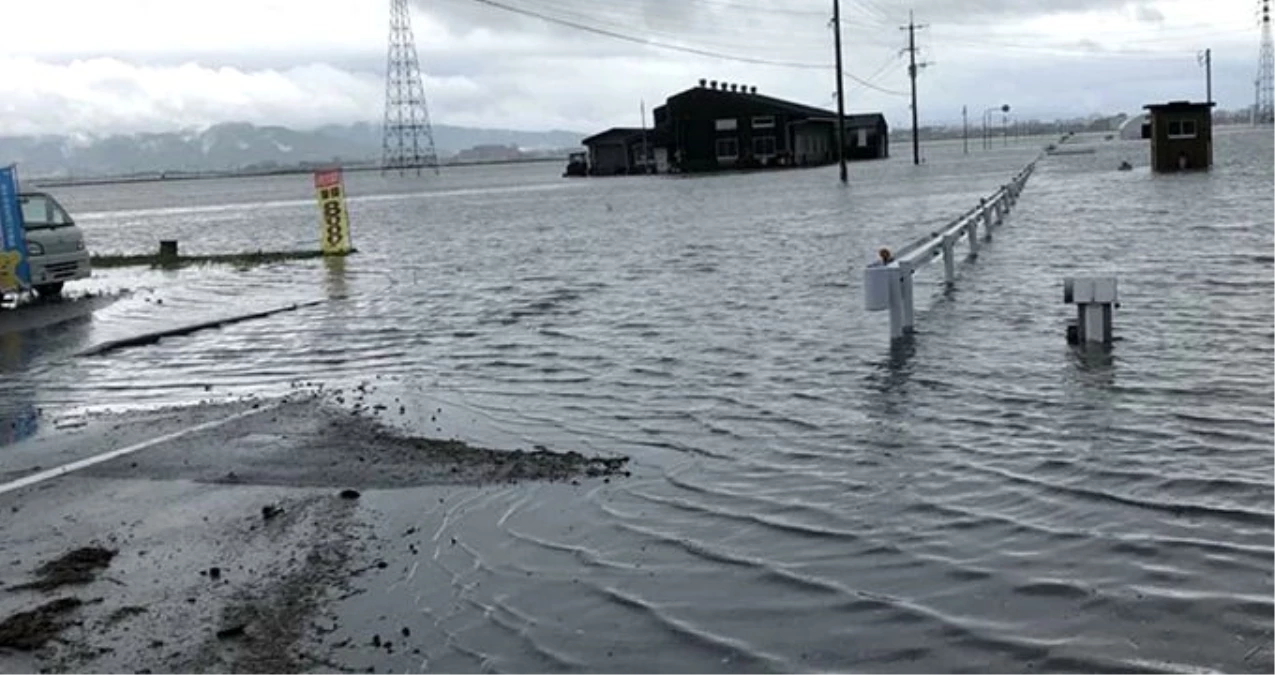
[15,272]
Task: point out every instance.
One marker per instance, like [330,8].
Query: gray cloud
[981,11]
[1148,14]
[487,67]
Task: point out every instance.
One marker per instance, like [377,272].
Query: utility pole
[841,100]
[912,66]
[965,129]
[1265,103]
[1206,60]
[645,167]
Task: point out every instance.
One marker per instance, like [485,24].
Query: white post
[909,321]
[1095,298]
[896,305]
[973,235]
[949,264]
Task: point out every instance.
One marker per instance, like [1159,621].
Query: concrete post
[973,235]
[949,263]
[896,305]
[909,319]
[1095,298]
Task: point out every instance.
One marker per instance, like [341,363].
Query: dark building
[718,126]
[619,151]
[1181,136]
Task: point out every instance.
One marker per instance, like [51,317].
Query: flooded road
[802,496]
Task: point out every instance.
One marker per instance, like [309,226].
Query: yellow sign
[334,220]
[9,261]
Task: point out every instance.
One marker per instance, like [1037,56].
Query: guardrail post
[896,303]
[949,264]
[974,222]
[906,283]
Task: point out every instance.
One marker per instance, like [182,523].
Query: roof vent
[713,84]
[733,86]
[702,82]
[752,90]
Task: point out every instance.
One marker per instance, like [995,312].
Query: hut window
[764,146]
[728,124]
[727,148]
[1182,129]
[764,122]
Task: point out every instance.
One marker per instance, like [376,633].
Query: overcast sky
[104,66]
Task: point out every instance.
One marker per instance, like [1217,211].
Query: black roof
[1178,105]
[622,132]
[856,119]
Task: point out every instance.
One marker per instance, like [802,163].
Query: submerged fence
[887,283]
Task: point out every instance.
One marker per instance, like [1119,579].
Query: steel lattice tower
[408,139]
[1264,106]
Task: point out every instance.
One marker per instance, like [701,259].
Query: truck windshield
[41,212]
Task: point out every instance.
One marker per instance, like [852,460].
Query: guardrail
[887,283]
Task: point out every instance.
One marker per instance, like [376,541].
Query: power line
[879,71]
[645,41]
[716,37]
[868,84]
[649,42]
[995,46]
[621,16]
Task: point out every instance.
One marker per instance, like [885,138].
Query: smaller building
[619,151]
[1181,136]
[1135,128]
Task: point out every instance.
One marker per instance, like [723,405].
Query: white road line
[120,452]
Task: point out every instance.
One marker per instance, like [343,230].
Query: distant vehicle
[577,165]
[55,245]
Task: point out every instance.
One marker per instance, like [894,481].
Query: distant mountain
[239,145]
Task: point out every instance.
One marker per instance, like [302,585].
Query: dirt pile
[27,631]
[76,567]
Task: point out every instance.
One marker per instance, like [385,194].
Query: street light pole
[965,129]
[987,135]
[841,101]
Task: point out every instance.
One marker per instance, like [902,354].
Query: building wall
[1168,142]
[867,142]
[813,144]
[709,130]
[693,118]
[607,159]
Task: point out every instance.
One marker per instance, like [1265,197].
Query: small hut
[1181,136]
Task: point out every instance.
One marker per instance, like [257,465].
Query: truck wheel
[49,291]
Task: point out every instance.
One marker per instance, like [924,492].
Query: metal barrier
[887,284]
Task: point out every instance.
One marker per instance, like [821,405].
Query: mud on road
[219,551]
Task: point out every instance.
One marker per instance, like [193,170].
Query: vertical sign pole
[334,220]
[15,270]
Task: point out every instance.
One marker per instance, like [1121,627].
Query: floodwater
[805,497]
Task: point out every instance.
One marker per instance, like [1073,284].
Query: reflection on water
[335,280]
[806,497]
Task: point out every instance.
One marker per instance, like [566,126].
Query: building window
[727,148]
[1182,129]
[729,124]
[764,146]
[764,122]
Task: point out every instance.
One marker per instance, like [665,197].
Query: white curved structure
[1131,129]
